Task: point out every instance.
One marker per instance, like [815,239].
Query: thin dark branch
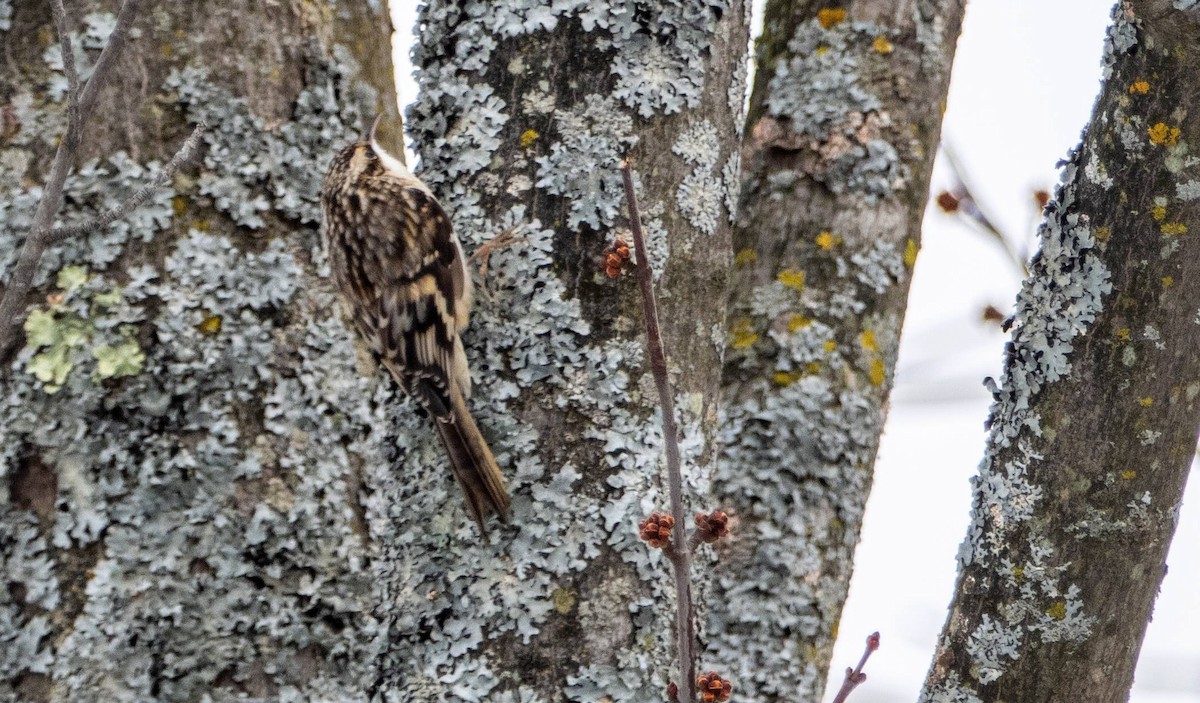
[977,216]
[35,245]
[63,23]
[680,556]
[109,55]
[133,202]
[856,676]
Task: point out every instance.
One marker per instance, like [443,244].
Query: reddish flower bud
[948,201]
[656,530]
[711,527]
[711,687]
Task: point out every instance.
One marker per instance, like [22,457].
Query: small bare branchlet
[856,676]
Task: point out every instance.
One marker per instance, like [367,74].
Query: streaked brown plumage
[401,271]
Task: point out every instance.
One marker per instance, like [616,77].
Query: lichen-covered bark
[525,109]
[1096,418]
[845,118]
[184,433]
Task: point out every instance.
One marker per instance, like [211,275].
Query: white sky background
[1025,76]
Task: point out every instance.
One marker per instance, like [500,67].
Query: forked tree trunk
[1095,421]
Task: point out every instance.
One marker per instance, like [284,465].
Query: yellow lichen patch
[830,345]
[742,334]
[1103,234]
[564,599]
[745,257]
[1163,135]
[1173,228]
[882,45]
[1057,610]
[210,325]
[822,50]
[1019,572]
[528,137]
[797,323]
[813,368]
[1128,475]
[1146,402]
[825,240]
[867,340]
[878,372]
[1168,281]
[1140,87]
[910,253]
[791,278]
[831,16]
[201,225]
[178,205]
[1158,212]
[1123,334]
[787,378]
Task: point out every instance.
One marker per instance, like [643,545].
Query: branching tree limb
[80,104]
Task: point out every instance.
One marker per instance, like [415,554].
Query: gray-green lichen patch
[6,12]
[950,690]
[582,165]
[205,428]
[820,94]
[797,439]
[251,170]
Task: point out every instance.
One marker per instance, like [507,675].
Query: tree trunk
[184,434]
[1096,418]
[844,124]
[523,116]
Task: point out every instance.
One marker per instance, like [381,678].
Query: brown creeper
[400,269]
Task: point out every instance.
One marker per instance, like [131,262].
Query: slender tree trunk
[523,115]
[1096,418]
[183,434]
[844,123]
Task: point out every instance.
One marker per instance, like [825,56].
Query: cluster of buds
[710,687]
[656,530]
[711,527]
[616,258]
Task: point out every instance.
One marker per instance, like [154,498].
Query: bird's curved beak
[368,135]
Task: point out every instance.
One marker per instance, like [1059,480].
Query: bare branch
[108,56]
[63,23]
[80,102]
[133,202]
[679,555]
[856,676]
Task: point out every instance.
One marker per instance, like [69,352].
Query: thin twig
[62,21]
[680,555]
[133,202]
[977,215]
[856,676]
[21,279]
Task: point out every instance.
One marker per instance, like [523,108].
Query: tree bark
[844,124]
[524,113]
[1095,421]
[184,434]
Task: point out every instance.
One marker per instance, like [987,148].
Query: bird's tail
[472,462]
